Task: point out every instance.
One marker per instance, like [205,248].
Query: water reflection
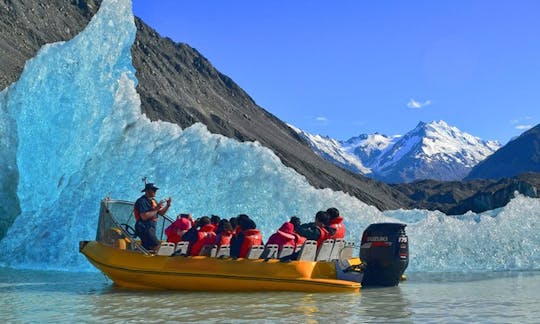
[215,307]
[387,303]
[40,296]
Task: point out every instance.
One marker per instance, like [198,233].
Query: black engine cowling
[385,250]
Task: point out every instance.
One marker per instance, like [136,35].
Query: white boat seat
[286,251]
[213,251]
[255,252]
[339,244]
[308,251]
[270,251]
[324,250]
[181,248]
[166,248]
[347,252]
[223,251]
[208,250]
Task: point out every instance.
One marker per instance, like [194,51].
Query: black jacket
[312,232]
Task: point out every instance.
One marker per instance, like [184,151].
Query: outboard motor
[385,250]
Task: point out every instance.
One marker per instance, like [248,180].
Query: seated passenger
[240,218]
[336,222]
[248,236]
[296,222]
[224,233]
[180,226]
[234,222]
[214,220]
[200,235]
[284,236]
[319,230]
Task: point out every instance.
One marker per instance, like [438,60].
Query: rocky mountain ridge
[520,155]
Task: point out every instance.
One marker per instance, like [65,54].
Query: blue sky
[343,68]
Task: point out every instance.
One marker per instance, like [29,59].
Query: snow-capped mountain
[432,150]
[368,146]
[333,151]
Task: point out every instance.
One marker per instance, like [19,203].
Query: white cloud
[321,119]
[522,123]
[417,104]
[523,127]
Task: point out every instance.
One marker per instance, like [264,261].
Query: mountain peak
[432,150]
[433,125]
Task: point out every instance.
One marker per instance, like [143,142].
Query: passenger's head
[188,216]
[295,221]
[224,226]
[322,218]
[214,219]
[332,212]
[183,224]
[241,219]
[205,220]
[287,227]
[233,221]
[246,223]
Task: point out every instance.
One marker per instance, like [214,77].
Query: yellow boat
[117,254]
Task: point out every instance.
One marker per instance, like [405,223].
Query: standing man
[146,212]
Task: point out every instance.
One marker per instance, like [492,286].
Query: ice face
[501,239]
[72,132]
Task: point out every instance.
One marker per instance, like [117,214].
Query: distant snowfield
[80,135]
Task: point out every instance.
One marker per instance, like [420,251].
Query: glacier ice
[72,131]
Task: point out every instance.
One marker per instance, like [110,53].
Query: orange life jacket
[299,239]
[136,212]
[337,224]
[206,236]
[251,237]
[323,236]
[224,238]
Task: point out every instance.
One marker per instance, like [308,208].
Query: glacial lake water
[69,297]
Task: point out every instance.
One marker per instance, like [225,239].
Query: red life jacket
[138,215]
[206,236]
[337,224]
[224,238]
[299,239]
[251,237]
[281,238]
[175,231]
[323,236]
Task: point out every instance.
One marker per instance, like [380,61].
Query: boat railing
[117,225]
